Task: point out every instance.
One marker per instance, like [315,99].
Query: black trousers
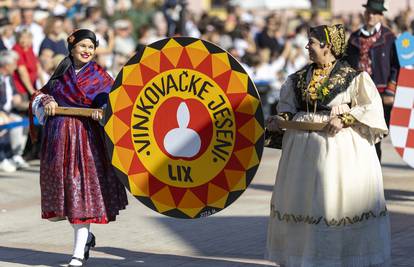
[387,116]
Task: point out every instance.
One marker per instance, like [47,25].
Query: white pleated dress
[328,207]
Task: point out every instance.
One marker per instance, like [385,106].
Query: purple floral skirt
[76,177]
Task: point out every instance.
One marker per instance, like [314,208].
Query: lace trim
[289,217]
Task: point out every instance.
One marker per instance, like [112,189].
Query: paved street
[141,237]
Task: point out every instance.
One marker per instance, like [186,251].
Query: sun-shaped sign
[184,127]
[405,49]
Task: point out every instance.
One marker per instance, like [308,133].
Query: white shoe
[7,166]
[20,162]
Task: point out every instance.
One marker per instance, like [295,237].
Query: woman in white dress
[328,207]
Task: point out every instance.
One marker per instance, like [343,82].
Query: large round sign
[184,127]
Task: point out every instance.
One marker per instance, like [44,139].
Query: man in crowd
[372,49]
[9,101]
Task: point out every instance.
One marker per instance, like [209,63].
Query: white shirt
[372,31]
[9,92]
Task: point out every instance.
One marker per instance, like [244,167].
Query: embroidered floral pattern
[337,38]
[338,81]
[294,218]
[318,86]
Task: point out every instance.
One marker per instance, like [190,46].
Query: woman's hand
[97,115]
[272,123]
[50,108]
[334,126]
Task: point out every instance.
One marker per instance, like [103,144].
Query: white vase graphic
[182,141]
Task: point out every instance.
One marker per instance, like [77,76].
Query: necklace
[317,88]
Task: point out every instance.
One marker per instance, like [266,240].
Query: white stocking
[81,236]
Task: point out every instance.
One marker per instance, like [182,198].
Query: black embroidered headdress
[334,35]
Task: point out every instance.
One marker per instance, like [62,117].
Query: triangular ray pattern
[236,99]
[215,193]
[151,58]
[221,63]
[185,61]
[138,184]
[122,158]
[109,128]
[132,75]
[220,180]
[197,53]
[191,212]
[163,199]
[147,74]
[190,201]
[242,142]
[113,96]
[238,83]
[172,50]
[251,130]
[178,194]
[201,192]
[223,80]
[221,203]
[247,157]
[248,105]
[136,166]
[132,90]
[124,115]
[236,180]
[154,185]
[165,64]
[122,100]
[119,130]
[234,163]
[206,67]
[161,207]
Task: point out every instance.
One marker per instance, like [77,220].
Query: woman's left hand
[97,115]
[334,126]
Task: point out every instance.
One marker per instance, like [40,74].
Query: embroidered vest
[338,81]
[365,62]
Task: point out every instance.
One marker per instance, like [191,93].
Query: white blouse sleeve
[38,109]
[367,108]
[287,101]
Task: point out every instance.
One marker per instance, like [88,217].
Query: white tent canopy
[272,4]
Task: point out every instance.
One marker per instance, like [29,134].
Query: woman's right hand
[50,108]
[272,123]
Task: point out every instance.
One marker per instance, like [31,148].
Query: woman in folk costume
[76,179]
[328,207]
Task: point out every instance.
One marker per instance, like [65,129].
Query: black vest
[339,80]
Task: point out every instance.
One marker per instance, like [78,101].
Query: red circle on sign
[200,122]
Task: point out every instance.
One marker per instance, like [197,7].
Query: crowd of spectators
[269,44]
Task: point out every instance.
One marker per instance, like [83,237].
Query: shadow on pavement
[399,195]
[264,187]
[212,237]
[396,166]
[153,259]
[124,258]
[31,257]
[219,236]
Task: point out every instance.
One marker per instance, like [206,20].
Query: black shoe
[78,259]
[88,246]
